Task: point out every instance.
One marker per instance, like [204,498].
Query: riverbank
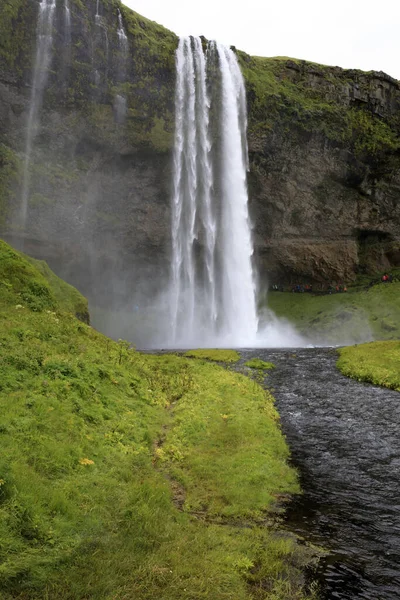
[377,363]
[126,475]
[359,315]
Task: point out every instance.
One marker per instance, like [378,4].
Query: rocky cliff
[98,207]
[325,169]
[324,149]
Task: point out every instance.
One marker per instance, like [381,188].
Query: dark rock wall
[100,186]
[324,152]
[325,169]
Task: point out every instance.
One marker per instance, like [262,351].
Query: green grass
[130,476]
[351,317]
[217,355]
[216,451]
[377,362]
[257,363]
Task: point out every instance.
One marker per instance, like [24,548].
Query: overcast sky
[362,34]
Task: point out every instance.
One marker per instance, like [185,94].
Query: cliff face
[324,153]
[325,169]
[98,208]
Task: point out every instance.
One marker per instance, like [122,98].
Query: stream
[344,438]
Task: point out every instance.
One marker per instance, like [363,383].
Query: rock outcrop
[325,169]
[324,148]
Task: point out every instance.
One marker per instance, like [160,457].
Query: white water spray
[43,59]
[212,285]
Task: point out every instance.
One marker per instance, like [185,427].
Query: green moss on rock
[15,33]
[9,166]
[293,94]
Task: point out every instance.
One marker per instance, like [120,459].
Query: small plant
[123,349]
[216,355]
[261,365]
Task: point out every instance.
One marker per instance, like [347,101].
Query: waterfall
[120,102]
[67,23]
[123,38]
[67,52]
[44,36]
[102,26]
[238,290]
[212,291]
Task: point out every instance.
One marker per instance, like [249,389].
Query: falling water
[120,102]
[212,287]
[238,290]
[67,22]
[123,38]
[42,62]
[102,26]
[67,49]
[184,198]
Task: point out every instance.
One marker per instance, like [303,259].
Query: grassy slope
[124,475]
[378,363]
[350,317]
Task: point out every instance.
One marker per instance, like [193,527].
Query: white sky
[362,34]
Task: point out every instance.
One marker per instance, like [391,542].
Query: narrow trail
[345,440]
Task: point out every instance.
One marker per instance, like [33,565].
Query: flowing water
[123,38]
[212,290]
[67,48]
[103,30]
[44,42]
[120,101]
[67,23]
[345,441]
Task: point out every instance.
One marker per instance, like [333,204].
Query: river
[344,438]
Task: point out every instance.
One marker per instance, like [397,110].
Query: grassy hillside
[378,363]
[356,316]
[130,476]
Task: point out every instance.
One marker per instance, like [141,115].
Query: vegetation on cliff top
[297,94]
[126,475]
[377,362]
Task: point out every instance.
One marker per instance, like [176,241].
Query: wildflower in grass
[159,453]
[226,417]
[18,307]
[2,482]
[86,461]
